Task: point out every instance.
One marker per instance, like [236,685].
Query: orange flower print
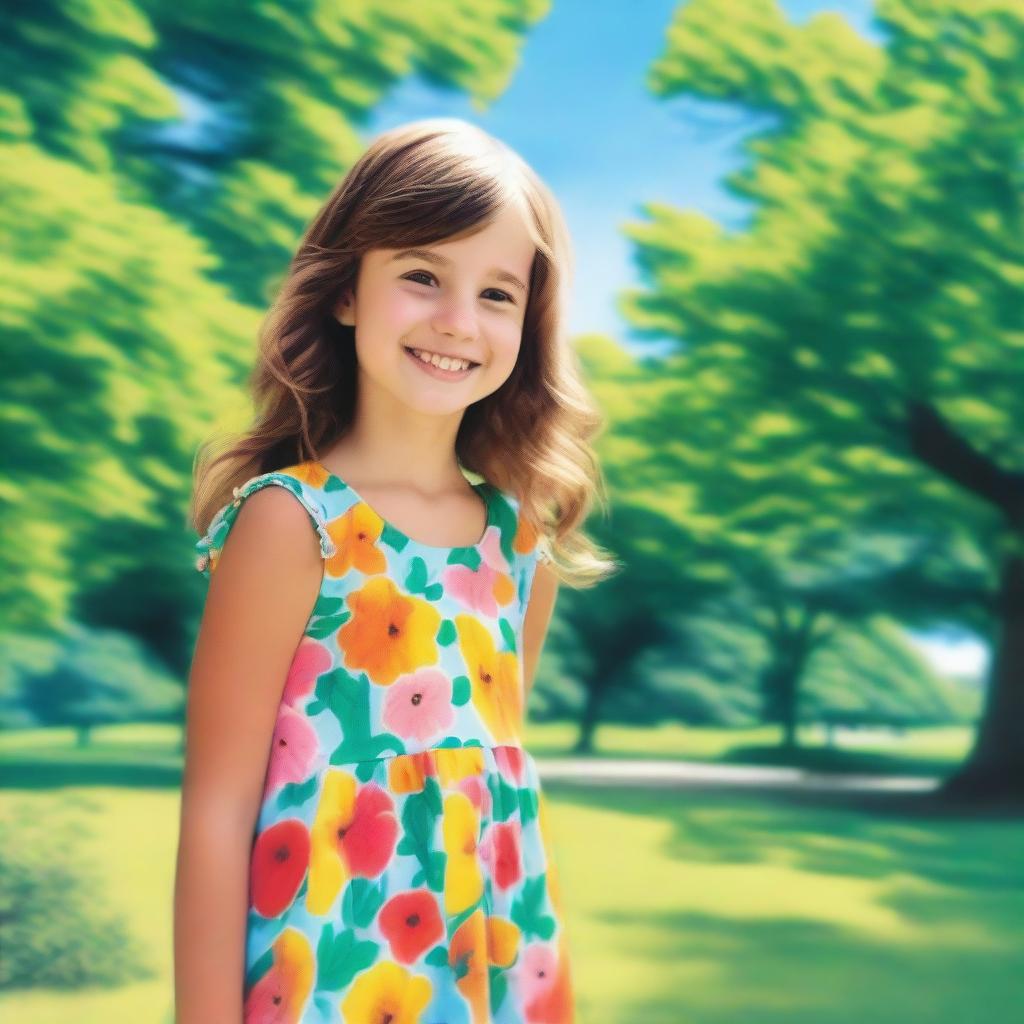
[280,996]
[502,941]
[355,535]
[354,833]
[467,953]
[526,536]
[389,993]
[390,632]
[407,773]
[494,677]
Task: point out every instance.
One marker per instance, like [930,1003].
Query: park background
[800,261]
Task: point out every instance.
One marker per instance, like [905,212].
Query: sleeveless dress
[401,870]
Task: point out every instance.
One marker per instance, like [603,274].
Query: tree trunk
[994,769]
[588,724]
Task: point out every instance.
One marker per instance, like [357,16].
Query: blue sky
[606,145]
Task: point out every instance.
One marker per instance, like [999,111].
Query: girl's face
[464,299]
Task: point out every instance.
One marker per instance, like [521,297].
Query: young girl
[363,837]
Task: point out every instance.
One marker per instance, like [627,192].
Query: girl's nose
[456,317]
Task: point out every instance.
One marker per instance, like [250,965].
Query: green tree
[861,341]
[159,163]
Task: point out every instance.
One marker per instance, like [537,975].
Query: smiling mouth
[429,362]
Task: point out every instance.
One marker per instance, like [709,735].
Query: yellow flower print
[386,992]
[463,881]
[457,763]
[502,941]
[390,633]
[282,993]
[494,678]
[328,870]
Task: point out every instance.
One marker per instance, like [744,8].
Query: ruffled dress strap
[210,545]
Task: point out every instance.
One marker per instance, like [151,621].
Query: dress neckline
[484,489]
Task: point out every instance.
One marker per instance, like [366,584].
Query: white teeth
[442,361]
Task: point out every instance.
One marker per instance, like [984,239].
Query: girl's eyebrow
[443,261]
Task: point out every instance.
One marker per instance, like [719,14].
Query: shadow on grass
[887,909]
[27,773]
[784,971]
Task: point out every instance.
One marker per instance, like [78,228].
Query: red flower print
[500,847]
[511,760]
[280,858]
[369,841]
[411,922]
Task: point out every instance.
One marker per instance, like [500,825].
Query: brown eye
[423,273]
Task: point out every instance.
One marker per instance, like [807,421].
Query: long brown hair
[421,183]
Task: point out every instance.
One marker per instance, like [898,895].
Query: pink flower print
[472,588]
[310,660]
[418,706]
[511,761]
[490,549]
[476,789]
[537,970]
[293,750]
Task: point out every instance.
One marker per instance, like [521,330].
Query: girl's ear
[344,312]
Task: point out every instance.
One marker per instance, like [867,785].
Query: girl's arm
[258,603]
[537,618]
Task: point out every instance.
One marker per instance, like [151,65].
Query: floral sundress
[401,870]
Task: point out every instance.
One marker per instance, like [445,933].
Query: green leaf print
[295,793]
[328,626]
[528,911]
[498,984]
[446,633]
[508,633]
[461,690]
[419,824]
[437,957]
[503,797]
[361,901]
[341,957]
[454,923]
[527,805]
[327,617]
[465,556]
[390,536]
[258,969]
[327,605]
[416,581]
[386,741]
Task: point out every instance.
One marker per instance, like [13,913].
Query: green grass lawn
[151,755]
[681,907]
